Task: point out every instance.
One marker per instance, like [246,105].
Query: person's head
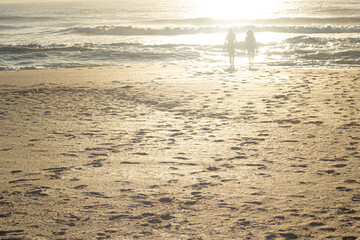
[250,33]
[230,31]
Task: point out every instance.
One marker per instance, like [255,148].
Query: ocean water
[290,33]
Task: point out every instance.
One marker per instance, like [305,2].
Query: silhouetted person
[229,44]
[250,46]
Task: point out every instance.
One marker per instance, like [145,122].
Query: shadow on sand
[230,69]
[253,69]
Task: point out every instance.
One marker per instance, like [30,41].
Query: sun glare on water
[238,9]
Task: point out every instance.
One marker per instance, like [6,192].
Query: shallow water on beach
[290,33]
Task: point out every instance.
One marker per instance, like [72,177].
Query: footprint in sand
[80,187]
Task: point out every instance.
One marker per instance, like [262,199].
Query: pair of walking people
[250,46]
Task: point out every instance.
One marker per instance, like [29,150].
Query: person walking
[250,46]
[230,42]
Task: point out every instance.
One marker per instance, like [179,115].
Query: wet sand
[163,152]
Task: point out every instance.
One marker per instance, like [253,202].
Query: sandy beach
[173,152]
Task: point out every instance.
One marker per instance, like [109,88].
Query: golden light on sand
[238,9]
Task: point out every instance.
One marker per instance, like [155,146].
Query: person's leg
[231,58]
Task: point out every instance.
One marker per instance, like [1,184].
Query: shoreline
[242,66]
[174,152]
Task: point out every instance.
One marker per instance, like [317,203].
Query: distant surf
[265,21]
[24,18]
[165,31]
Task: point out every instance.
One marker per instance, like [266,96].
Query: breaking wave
[303,39]
[172,31]
[37,48]
[32,48]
